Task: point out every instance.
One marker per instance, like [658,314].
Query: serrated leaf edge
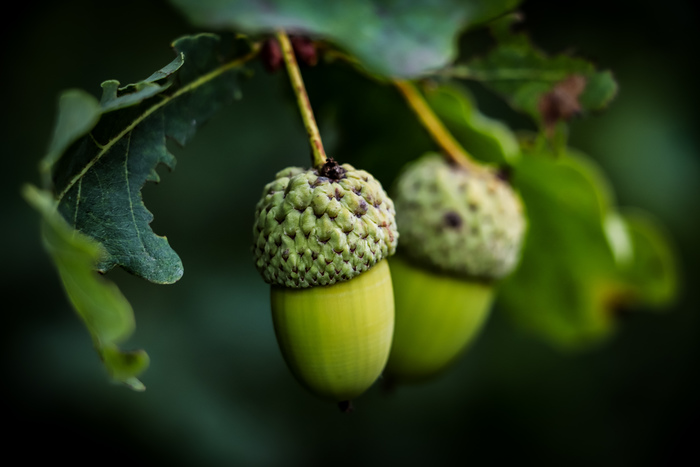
[40,200]
[183,90]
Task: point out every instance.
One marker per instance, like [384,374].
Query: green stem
[318,154]
[452,149]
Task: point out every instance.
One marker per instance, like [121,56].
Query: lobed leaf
[78,113]
[101,154]
[652,270]
[560,288]
[548,88]
[100,305]
[582,261]
[389,38]
[104,153]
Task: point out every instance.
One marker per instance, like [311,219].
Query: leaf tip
[134,384]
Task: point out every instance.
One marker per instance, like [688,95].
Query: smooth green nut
[336,339]
[321,239]
[437,316]
[462,222]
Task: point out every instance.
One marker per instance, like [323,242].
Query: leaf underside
[389,38]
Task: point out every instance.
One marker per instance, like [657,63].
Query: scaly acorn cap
[458,221]
[322,226]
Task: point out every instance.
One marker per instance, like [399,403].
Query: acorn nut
[461,231]
[322,237]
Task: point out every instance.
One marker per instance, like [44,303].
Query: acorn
[462,229]
[321,239]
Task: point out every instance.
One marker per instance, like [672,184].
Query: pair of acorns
[322,239]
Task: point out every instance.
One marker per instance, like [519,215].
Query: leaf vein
[97,143]
[128,192]
[77,202]
[148,112]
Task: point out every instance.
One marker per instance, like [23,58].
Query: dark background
[218,391]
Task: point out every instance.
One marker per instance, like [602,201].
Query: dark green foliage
[118,144]
[549,88]
[218,390]
[101,155]
[582,261]
[652,270]
[389,38]
[486,139]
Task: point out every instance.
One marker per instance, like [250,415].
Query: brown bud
[271,55]
[305,50]
[561,103]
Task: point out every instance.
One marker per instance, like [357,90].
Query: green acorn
[321,239]
[461,230]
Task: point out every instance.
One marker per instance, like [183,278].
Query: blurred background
[218,390]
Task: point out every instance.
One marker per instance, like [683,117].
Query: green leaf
[560,287]
[567,271]
[484,138]
[582,260]
[98,164]
[548,88]
[99,303]
[125,366]
[390,38]
[601,89]
[618,235]
[652,270]
[78,112]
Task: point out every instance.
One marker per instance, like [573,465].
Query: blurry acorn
[461,231]
[321,239]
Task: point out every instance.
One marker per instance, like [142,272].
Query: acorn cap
[458,221]
[322,226]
